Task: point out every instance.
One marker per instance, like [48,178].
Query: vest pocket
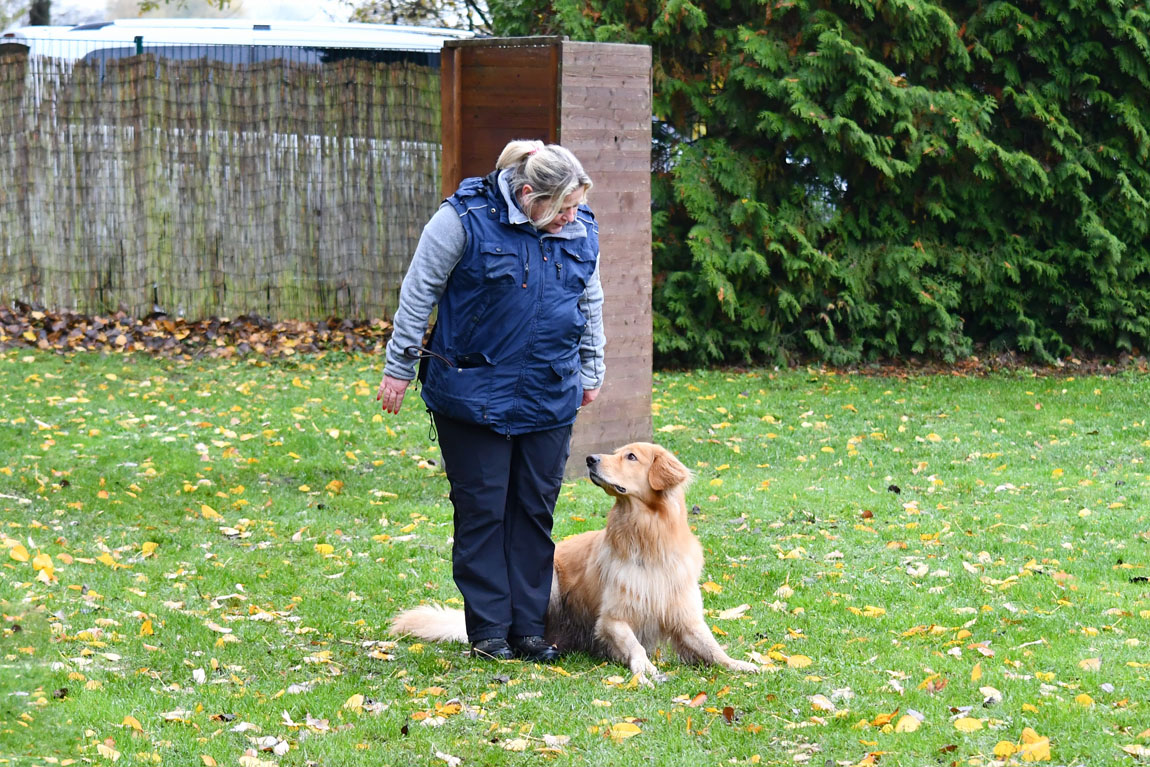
[559,400]
[462,392]
[578,266]
[502,264]
[564,369]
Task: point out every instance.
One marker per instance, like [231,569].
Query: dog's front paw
[645,671]
[742,665]
[643,680]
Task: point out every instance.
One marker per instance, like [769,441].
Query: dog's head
[640,470]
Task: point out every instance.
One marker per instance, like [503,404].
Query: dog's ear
[666,472]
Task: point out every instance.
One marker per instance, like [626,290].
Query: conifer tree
[873,178]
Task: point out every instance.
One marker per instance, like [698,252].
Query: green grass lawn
[199,560]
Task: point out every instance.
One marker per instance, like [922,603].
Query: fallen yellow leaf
[907,723]
[623,730]
[247,760]
[798,661]
[734,612]
[1035,748]
[450,708]
[822,703]
[1005,749]
[19,553]
[107,559]
[883,720]
[991,695]
[968,724]
[43,561]
[1029,735]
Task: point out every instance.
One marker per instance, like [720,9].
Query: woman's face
[566,213]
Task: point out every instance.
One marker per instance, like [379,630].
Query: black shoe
[491,649]
[534,648]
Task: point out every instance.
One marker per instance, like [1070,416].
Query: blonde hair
[551,171]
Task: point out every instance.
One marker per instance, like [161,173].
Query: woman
[511,259]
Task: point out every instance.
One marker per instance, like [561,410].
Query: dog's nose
[592,460]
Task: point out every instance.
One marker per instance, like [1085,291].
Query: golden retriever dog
[621,591]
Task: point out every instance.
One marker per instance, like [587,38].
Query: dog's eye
[631,457]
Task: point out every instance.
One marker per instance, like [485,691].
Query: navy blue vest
[509,319]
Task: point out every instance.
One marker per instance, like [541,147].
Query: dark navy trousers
[503,490]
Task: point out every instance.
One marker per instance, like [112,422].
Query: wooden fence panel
[208,188]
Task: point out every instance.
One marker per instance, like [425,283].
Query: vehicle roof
[87,37]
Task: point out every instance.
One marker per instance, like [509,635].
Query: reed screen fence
[290,189]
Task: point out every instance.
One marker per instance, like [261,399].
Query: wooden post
[595,99]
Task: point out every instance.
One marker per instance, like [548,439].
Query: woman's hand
[589,396]
[391,392]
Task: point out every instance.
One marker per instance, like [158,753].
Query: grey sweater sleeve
[592,344]
[439,250]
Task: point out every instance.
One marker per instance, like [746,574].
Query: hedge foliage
[856,179]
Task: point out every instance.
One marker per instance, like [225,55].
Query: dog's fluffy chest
[646,582]
[640,577]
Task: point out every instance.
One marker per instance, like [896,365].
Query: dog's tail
[432,623]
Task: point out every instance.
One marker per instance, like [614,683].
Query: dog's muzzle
[593,474]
